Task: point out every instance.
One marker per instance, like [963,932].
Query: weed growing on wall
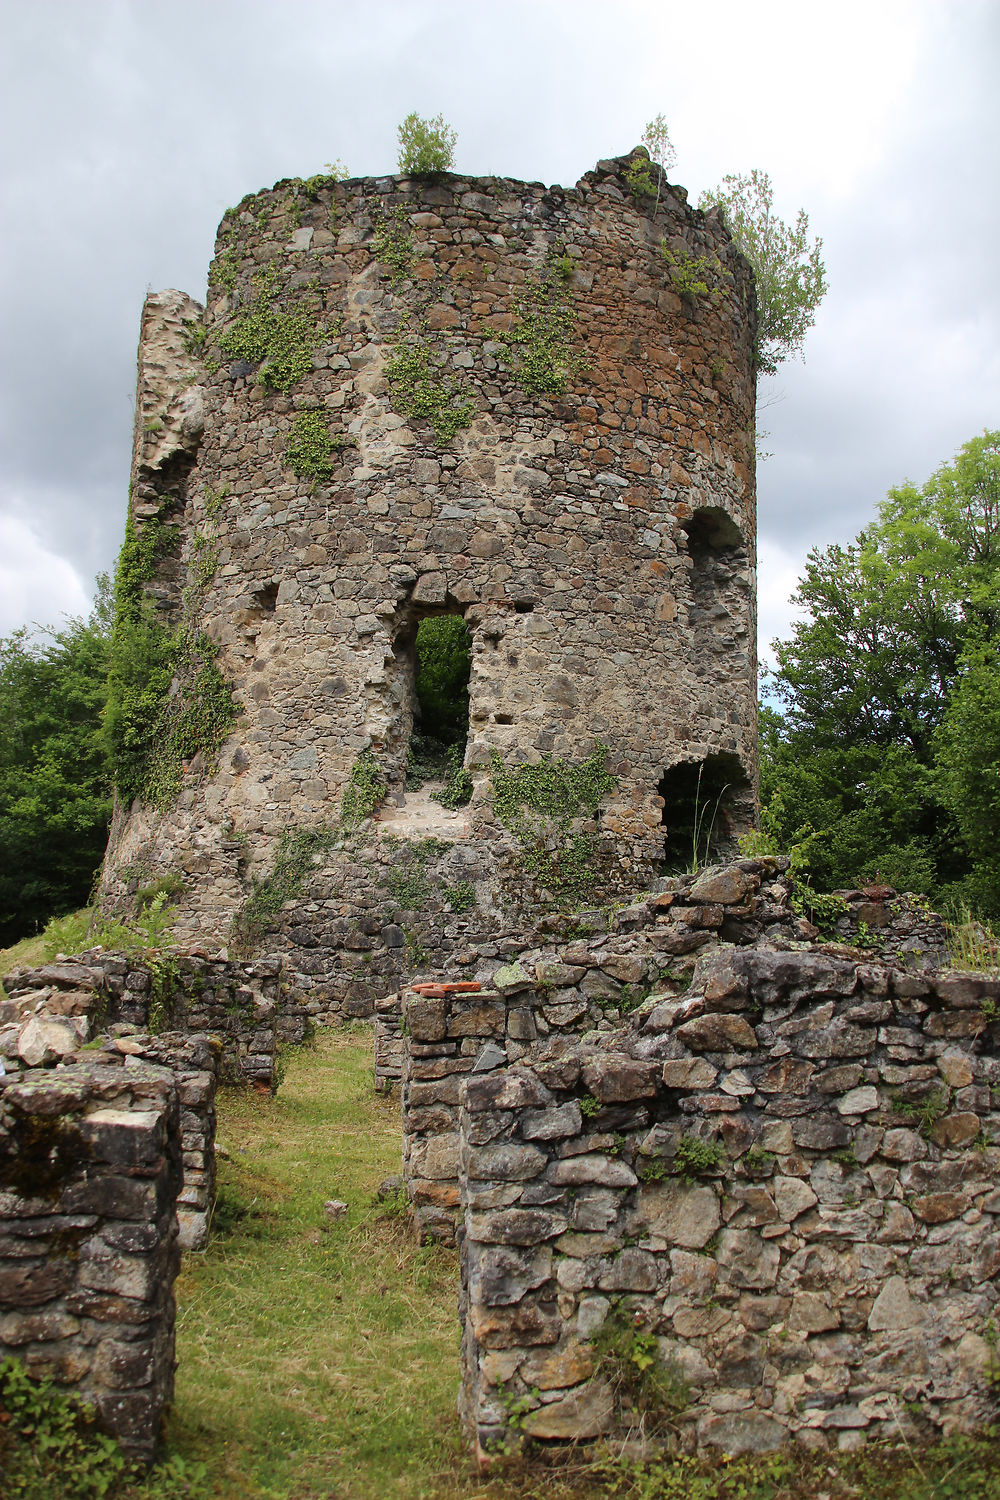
[51,1448]
[280,343]
[539,804]
[696,1158]
[646,1389]
[193,337]
[298,849]
[696,276]
[366,788]
[544,335]
[659,153]
[148,929]
[422,391]
[310,448]
[394,242]
[973,943]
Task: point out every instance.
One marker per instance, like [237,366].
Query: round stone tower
[531,407]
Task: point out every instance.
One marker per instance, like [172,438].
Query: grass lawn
[317,1358]
[27,954]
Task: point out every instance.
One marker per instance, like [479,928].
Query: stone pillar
[90,1169]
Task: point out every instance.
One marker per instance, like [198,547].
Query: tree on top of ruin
[426,145]
[788,270]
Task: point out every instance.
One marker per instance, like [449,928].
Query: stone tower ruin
[530,407]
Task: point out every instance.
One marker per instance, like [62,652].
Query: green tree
[788,270]
[55,800]
[661,154]
[443,666]
[890,736]
[968,767]
[426,145]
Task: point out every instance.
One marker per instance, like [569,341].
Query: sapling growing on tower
[426,145]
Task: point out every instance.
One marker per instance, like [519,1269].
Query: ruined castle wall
[90,1168]
[776,1193]
[194,1062]
[50,1012]
[598,539]
[583,977]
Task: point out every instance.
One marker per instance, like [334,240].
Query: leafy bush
[789,272]
[52,1449]
[55,797]
[426,145]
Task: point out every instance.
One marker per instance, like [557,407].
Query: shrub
[426,145]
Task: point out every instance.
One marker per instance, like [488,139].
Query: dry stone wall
[584,976]
[781,1183]
[90,1169]
[50,1012]
[593,524]
[194,1062]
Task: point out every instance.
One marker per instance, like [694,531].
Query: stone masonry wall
[782,1182]
[50,1012]
[597,540]
[584,974]
[90,1168]
[194,1062]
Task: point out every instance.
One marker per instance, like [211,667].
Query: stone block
[584,1413]
[717,1033]
[894,1309]
[678,1214]
[689,1073]
[525,1325]
[615,1078]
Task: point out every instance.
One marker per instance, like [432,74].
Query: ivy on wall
[394,242]
[298,852]
[310,449]
[539,804]
[167,699]
[422,392]
[280,343]
[298,849]
[544,337]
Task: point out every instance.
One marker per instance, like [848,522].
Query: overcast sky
[132,124]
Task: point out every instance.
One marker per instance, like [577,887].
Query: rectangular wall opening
[442,663]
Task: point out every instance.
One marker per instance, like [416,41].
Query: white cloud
[36,585]
[778,573]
